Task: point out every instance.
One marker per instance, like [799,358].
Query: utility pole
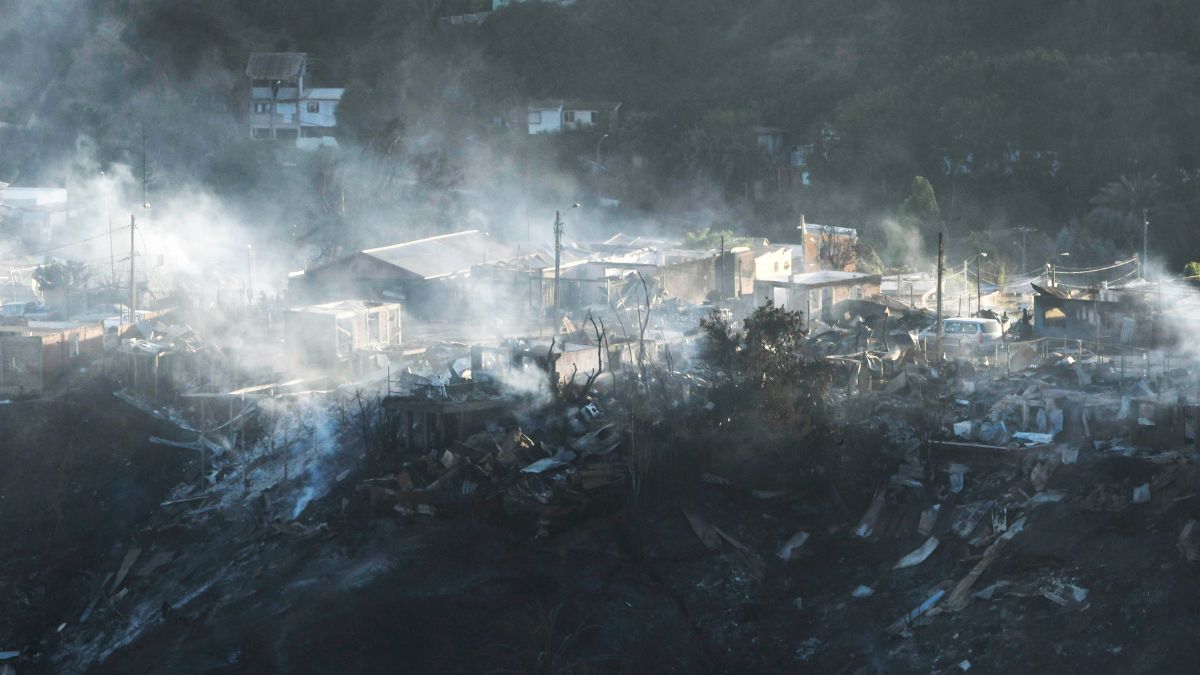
[1023,231]
[249,275]
[112,255]
[978,295]
[721,270]
[558,231]
[145,202]
[967,285]
[1145,238]
[132,284]
[939,296]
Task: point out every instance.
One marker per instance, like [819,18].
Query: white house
[283,107]
[497,4]
[34,213]
[555,116]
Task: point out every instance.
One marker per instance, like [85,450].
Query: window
[535,116]
[314,106]
[569,116]
[373,326]
[262,108]
[262,133]
[858,292]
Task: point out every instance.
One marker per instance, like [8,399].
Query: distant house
[815,293]
[554,116]
[414,272]
[34,213]
[769,139]
[284,106]
[497,4]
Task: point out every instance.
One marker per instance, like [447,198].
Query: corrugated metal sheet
[286,66]
[443,255]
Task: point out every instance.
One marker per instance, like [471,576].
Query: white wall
[584,119]
[326,117]
[550,122]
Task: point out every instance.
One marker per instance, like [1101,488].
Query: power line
[1119,263]
[61,246]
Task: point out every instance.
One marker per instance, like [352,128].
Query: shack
[331,333]
[816,293]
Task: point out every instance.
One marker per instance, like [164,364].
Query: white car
[965,335]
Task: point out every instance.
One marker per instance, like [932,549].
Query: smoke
[901,245]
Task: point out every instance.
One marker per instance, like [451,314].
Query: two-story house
[555,116]
[284,106]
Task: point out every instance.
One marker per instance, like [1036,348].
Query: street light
[1050,265]
[598,149]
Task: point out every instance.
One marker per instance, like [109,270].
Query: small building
[717,276]
[824,247]
[34,214]
[330,334]
[1123,314]
[769,139]
[284,105]
[554,116]
[419,273]
[815,293]
[771,261]
[34,353]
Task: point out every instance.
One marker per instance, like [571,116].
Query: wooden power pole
[939,296]
[132,283]
[558,231]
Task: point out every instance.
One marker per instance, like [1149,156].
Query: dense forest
[1072,117]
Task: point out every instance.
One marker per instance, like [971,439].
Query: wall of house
[29,362]
[775,264]
[727,276]
[326,116]
[62,350]
[810,254]
[20,365]
[584,119]
[550,122]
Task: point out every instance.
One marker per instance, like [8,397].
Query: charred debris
[763,488]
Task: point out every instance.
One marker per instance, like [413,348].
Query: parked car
[20,309]
[966,335]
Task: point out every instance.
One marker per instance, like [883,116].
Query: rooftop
[324,93]
[341,307]
[275,65]
[830,277]
[442,255]
[572,104]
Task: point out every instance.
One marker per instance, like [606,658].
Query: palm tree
[1121,205]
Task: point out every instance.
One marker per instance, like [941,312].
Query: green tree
[1191,270]
[920,208]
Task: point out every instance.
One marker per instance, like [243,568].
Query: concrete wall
[694,281]
[29,362]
